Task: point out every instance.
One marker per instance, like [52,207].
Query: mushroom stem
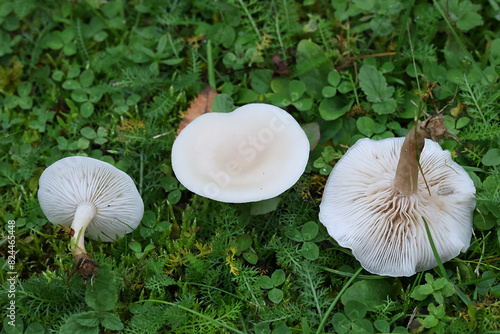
[84,214]
[406,179]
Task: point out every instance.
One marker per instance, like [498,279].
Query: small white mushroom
[254,153]
[377,212]
[92,197]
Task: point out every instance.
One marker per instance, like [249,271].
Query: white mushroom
[254,153]
[94,198]
[374,203]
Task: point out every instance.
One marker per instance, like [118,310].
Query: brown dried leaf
[200,105]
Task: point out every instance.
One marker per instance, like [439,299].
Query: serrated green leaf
[111,322]
[88,319]
[373,84]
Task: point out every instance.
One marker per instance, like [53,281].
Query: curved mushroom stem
[406,179]
[84,214]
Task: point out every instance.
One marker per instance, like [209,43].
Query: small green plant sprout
[64,40]
[82,90]
[173,187]
[438,288]
[93,197]
[272,284]
[151,227]
[436,320]
[307,233]
[368,127]
[334,105]
[241,57]
[290,92]
[123,105]
[101,297]
[136,247]
[23,99]
[333,81]
[327,156]
[353,319]
[162,56]
[244,248]
[89,134]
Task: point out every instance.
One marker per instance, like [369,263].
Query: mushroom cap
[385,230]
[254,153]
[74,180]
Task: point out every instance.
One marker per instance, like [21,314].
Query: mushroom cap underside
[385,230]
[254,153]
[74,180]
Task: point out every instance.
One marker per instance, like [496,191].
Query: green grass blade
[336,300]
[459,292]
[210,65]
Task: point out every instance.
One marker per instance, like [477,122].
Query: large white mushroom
[92,197]
[253,153]
[374,203]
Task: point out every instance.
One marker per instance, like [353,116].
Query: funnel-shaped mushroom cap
[385,230]
[253,153]
[74,180]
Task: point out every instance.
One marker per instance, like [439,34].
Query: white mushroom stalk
[374,202]
[84,214]
[95,199]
